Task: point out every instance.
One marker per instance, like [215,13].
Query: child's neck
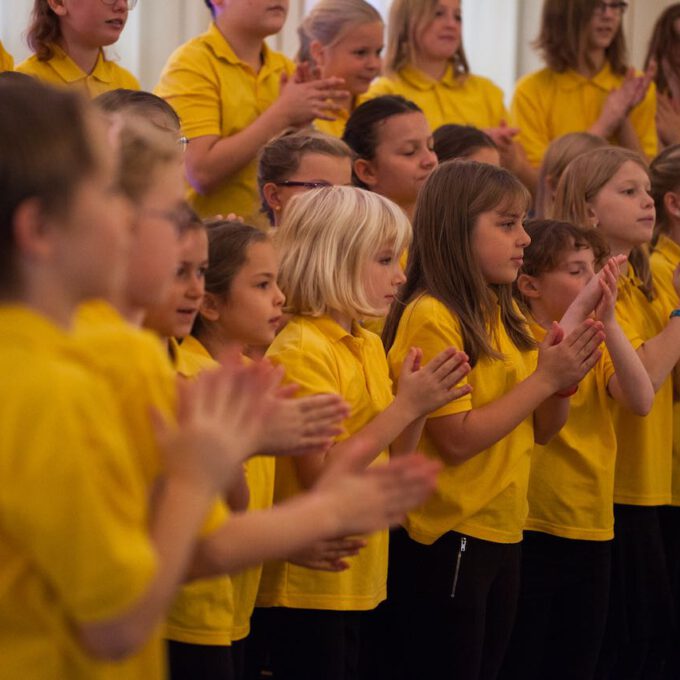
[344,320]
[84,56]
[131,312]
[247,47]
[591,62]
[542,315]
[435,68]
[44,295]
[215,342]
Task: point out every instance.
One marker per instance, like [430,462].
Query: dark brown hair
[663,41]
[443,264]
[459,141]
[665,175]
[36,163]
[561,38]
[43,31]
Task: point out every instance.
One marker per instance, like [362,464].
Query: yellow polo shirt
[644,456]
[469,100]
[547,105]
[215,93]
[6,61]
[334,128]
[74,547]
[486,496]
[664,259]
[571,485]
[321,357]
[189,357]
[62,70]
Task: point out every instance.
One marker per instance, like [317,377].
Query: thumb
[410,362]
[554,336]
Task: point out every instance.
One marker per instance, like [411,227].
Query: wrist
[407,410]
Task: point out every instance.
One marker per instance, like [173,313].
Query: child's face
[356,57]
[602,29]
[155,247]
[404,158]
[498,243]
[95,231]
[252,311]
[176,316]
[94,23]
[256,17]
[314,168]
[623,210]
[440,39]
[557,289]
[382,277]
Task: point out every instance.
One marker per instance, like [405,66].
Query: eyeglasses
[616,7]
[183,143]
[304,185]
[130,3]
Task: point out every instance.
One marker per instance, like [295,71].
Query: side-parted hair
[210,6]
[280,158]
[44,30]
[664,173]
[562,36]
[560,152]
[406,19]
[329,21]
[36,163]
[582,181]
[362,130]
[137,102]
[663,41]
[459,141]
[143,149]
[325,240]
[443,264]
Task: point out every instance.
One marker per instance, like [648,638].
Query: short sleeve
[643,119]
[526,113]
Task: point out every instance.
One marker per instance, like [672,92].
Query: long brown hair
[561,38]
[663,41]
[442,262]
[44,30]
[665,175]
[582,181]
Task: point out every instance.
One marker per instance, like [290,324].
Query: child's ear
[210,307]
[528,286]
[57,6]
[32,234]
[592,215]
[318,53]
[671,202]
[271,195]
[365,171]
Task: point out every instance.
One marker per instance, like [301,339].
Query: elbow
[112,642]
[543,438]
[452,454]
[201,180]
[642,404]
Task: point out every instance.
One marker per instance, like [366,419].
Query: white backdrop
[497,33]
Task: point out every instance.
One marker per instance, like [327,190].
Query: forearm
[238,494]
[212,161]
[549,418]
[628,138]
[408,440]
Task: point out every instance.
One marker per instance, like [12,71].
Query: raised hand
[302,101]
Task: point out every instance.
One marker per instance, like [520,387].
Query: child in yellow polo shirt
[233,94]
[6,61]
[609,187]
[586,85]
[426,63]
[342,38]
[340,250]
[566,551]
[466,253]
[87,569]
[299,161]
[68,41]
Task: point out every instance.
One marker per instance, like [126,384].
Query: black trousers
[200,662]
[453,603]
[669,518]
[562,609]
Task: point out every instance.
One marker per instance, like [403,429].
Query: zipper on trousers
[461,550]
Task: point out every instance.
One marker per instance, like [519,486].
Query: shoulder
[537,79]
[32,66]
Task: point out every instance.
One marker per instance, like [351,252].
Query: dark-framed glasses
[617,7]
[304,185]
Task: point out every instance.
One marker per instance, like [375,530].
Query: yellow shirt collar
[223,50]
[421,81]
[70,72]
[605,79]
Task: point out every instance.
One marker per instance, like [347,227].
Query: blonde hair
[327,237]
[582,181]
[329,22]
[559,154]
[407,18]
[143,149]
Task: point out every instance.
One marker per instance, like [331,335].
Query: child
[426,63]
[586,85]
[662,52]
[68,41]
[88,571]
[609,188]
[464,141]
[233,95]
[393,148]
[342,38]
[340,250]
[566,550]
[6,61]
[558,155]
[466,253]
[299,161]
